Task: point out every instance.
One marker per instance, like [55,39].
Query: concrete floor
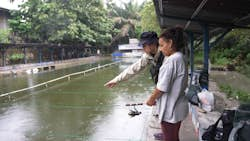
[22,68]
[188,131]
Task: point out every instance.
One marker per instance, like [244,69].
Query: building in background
[131,50]
[4,16]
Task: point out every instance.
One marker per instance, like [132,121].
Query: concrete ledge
[202,120]
[45,66]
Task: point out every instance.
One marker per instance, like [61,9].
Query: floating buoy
[35,70]
[29,71]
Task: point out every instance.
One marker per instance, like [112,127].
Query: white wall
[3,19]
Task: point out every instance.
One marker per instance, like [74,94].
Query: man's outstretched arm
[130,71]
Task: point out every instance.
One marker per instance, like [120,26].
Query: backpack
[215,133]
[241,129]
[192,94]
[155,68]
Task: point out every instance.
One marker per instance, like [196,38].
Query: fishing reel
[134,112]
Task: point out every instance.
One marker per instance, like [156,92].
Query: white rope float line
[59,78]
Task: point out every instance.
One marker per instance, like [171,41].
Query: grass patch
[245,69]
[240,95]
[218,58]
[221,61]
[198,58]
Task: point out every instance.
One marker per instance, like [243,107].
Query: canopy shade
[218,15]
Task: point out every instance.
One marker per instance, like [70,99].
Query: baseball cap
[148,38]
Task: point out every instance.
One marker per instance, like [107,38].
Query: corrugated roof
[191,14]
[4,9]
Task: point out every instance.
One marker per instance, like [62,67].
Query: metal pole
[62,52]
[206,51]
[25,55]
[4,56]
[40,54]
[51,54]
[191,45]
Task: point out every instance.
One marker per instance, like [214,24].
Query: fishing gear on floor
[134,112]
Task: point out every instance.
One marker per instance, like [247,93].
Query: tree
[129,10]
[63,21]
[149,21]
[4,35]
[125,19]
[233,51]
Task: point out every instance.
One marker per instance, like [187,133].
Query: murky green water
[80,109]
[15,82]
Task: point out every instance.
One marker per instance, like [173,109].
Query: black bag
[214,133]
[203,79]
[192,94]
[241,130]
[244,132]
[227,121]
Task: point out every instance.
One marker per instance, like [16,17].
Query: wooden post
[25,55]
[51,54]
[62,52]
[4,56]
[40,54]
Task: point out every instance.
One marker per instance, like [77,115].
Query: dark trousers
[171,131]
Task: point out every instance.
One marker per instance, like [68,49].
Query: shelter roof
[191,14]
[4,9]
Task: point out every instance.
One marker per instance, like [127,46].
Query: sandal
[159,136]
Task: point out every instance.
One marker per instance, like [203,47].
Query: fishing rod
[134,112]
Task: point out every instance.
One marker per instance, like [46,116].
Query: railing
[60,78]
[26,53]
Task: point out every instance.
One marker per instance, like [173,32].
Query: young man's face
[150,49]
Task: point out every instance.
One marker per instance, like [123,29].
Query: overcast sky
[14,5]
[8,5]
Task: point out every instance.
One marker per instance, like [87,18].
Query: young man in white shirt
[149,41]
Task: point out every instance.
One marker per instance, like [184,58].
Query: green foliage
[245,69]
[234,47]
[235,93]
[129,10]
[218,59]
[222,61]
[198,58]
[138,30]
[4,35]
[234,50]
[56,21]
[248,58]
[16,56]
[149,21]
[127,17]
